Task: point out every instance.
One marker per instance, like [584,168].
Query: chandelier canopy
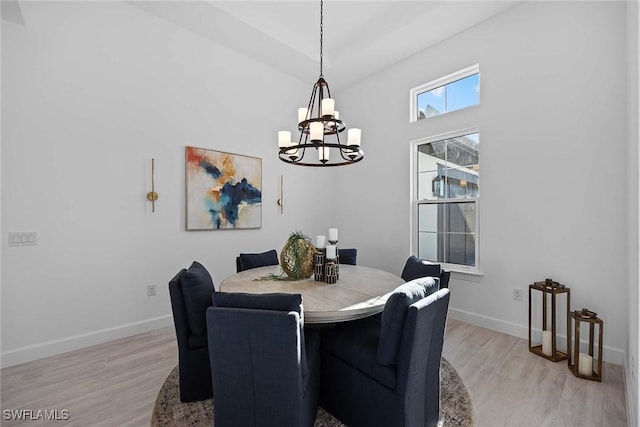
[320,127]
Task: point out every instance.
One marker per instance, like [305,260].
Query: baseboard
[609,354]
[51,348]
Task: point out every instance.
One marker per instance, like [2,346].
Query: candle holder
[330,271]
[550,290]
[335,243]
[318,265]
[582,364]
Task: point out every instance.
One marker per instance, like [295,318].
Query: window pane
[461,249]
[427,190]
[440,174]
[431,159]
[429,154]
[448,184]
[461,217]
[428,246]
[463,93]
[428,217]
[461,183]
[446,232]
[431,103]
[462,151]
[450,97]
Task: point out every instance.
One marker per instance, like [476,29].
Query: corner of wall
[633,212]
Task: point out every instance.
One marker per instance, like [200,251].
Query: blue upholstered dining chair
[416,267]
[248,261]
[190,291]
[387,373]
[265,366]
[348,256]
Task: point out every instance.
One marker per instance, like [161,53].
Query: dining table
[359,292]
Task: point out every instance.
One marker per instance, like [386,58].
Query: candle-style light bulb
[353,136]
[284,138]
[302,114]
[327,106]
[316,131]
[323,154]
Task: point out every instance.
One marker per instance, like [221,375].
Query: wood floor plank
[116,383]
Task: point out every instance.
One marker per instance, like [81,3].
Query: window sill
[462,271]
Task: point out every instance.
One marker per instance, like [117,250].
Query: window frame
[442,81]
[415,202]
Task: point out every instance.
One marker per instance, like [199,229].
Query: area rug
[455,407]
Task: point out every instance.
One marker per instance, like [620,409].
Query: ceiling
[360,37]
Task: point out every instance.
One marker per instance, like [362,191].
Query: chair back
[416,267]
[348,256]
[420,355]
[255,355]
[178,309]
[255,260]
[394,315]
[190,292]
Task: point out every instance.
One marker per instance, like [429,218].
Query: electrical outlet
[518,294]
[28,238]
[151,290]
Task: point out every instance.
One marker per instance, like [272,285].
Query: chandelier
[320,127]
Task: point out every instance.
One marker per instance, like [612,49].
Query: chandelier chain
[321,34]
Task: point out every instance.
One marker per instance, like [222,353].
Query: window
[449,93]
[447,178]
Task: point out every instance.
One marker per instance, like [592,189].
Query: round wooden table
[360,291]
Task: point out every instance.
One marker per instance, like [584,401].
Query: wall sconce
[281,195]
[153,196]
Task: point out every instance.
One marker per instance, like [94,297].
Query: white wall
[91,92]
[553,165]
[633,249]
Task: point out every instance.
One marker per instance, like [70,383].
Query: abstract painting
[224,190]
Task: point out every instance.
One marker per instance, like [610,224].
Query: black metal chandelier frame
[294,153]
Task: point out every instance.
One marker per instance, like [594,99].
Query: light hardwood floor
[115,384]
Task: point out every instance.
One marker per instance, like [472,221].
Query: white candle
[302,114]
[331,251]
[284,138]
[585,365]
[333,234]
[336,115]
[323,153]
[546,343]
[284,141]
[321,241]
[316,131]
[353,136]
[327,106]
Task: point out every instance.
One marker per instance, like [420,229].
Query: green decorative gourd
[296,257]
